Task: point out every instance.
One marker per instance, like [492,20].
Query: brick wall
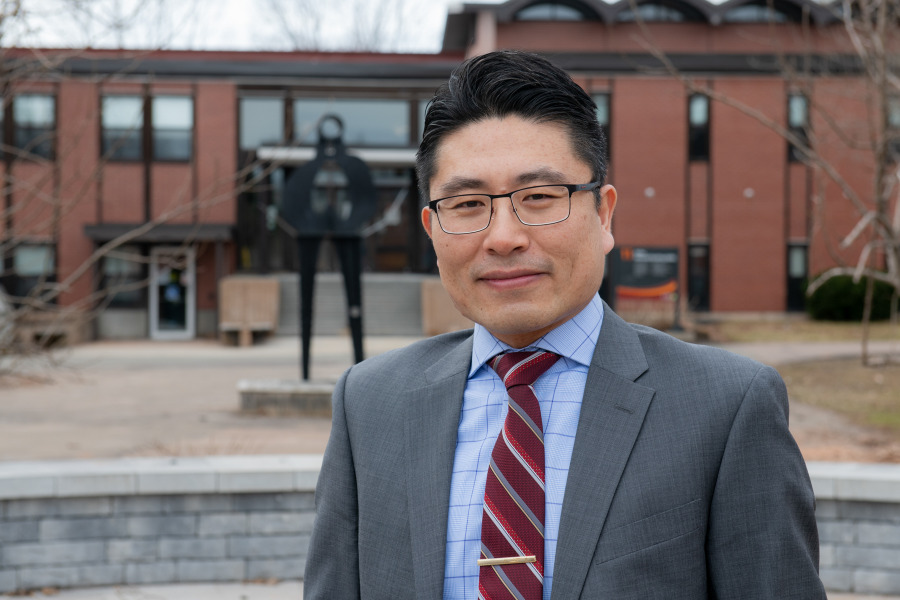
[143,521]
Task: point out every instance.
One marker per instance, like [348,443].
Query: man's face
[519,281]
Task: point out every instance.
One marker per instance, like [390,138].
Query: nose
[506,233]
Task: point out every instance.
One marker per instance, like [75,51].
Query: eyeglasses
[535,205]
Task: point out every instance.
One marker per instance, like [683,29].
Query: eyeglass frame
[571,187]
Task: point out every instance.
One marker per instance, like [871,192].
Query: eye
[464,203]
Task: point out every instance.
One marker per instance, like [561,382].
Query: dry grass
[868,395]
[793,329]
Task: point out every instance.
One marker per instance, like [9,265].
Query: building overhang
[388,157]
[159,234]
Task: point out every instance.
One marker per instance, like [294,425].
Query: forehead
[506,144]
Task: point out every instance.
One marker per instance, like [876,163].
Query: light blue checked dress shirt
[559,392]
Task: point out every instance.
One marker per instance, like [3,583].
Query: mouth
[511,279]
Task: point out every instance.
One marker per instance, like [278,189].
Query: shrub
[839,299]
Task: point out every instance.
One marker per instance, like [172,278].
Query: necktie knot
[522,368]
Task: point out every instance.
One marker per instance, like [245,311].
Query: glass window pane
[549,11]
[797,262]
[34,261]
[173,112]
[32,110]
[123,112]
[262,122]
[894,111]
[173,122]
[754,13]
[366,122]
[602,102]
[123,118]
[699,110]
[34,118]
[797,111]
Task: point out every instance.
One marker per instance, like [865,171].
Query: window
[33,265]
[124,277]
[698,276]
[262,122]
[366,122]
[798,124]
[123,122]
[602,102]
[173,128]
[423,109]
[550,11]
[755,13]
[698,127]
[34,116]
[797,271]
[893,130]
[652,13]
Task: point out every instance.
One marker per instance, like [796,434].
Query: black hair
[506,83]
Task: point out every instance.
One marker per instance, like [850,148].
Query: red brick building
[186,152]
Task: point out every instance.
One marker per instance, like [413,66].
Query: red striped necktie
[512,528]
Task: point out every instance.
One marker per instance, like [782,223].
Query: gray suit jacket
[684,482]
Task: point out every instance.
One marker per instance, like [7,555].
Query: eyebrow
[461,184]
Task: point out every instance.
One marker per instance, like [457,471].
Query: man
[649,468]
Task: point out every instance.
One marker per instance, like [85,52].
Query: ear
[426,220]
[605,211]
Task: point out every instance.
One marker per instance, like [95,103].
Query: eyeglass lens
[541,205]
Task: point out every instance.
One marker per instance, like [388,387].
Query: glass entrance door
[173,306]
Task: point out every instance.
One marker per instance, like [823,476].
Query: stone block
[18,531]
[837,532]
[173,525]
[132,550]
[192,548]
[291,568]
[59,553]
[281,522]
[285,397]
[8,582]
[868,557]
[826,509]
[85,507]
[269,546]
[254,481]
[222,524]
[198,503]
[97,575]
[41,577]
[33,508]
[874,581]
[27,486]
[869,511]
[96,484]
[80,529]
[212,570]
[139,505]
[149,573]
[836,579]
[274,502]
[176,482]
[879,534]
[827,557]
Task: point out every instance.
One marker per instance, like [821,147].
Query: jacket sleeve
[332,566]
[762,541]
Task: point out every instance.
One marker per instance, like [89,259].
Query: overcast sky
[206,24]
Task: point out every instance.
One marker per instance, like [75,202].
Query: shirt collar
[575,339]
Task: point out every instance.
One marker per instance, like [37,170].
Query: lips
[507,279]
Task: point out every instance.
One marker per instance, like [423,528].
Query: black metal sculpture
[330,196]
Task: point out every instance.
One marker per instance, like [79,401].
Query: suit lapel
[431,431]
[612,414]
